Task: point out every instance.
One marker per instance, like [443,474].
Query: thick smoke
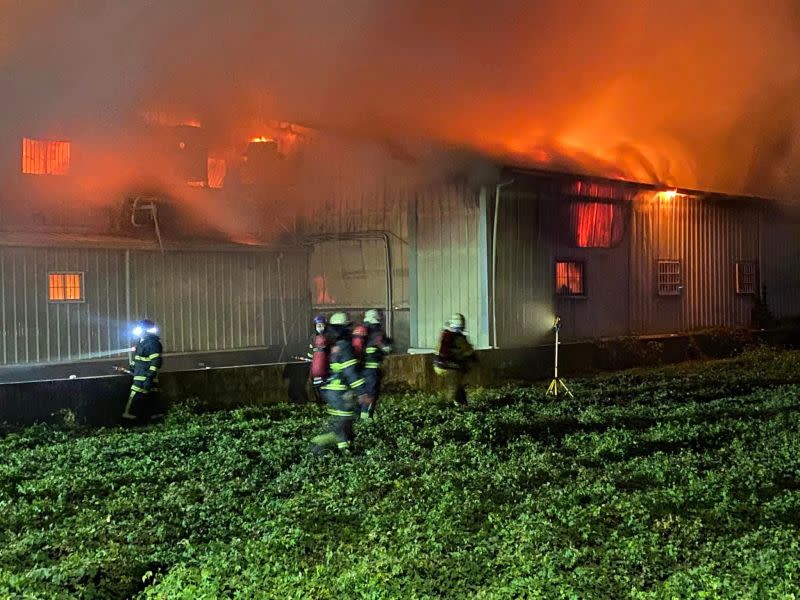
[697,94]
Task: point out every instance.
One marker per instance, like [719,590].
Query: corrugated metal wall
[223,300]
[533,234]
[36,330]
[707,237]
[781,262]
[447,262]
[202,300]
[524,294]
[353,273]
[361,194]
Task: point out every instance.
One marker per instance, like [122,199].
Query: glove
[365,400]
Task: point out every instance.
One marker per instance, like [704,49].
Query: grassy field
[680,482]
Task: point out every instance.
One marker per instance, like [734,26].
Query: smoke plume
[696,94]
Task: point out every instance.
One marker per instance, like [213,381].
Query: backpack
[360,334]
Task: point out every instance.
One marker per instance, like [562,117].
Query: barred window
[746,277]
[570,278]
[669,278]
[65,287]
[217,169]
[45,157]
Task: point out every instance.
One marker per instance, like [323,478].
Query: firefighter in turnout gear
[376,347]
[454,358]
[340,389]
[144,402]
[319,354]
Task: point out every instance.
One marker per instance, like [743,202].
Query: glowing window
[217,169]
[570,278]
[65,287]
[595,224]
[746,277]
[45,157]
[669,278]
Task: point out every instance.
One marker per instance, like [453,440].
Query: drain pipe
[494,258]
[389,315]
[128,301]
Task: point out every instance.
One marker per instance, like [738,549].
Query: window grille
[746,277]
[65,287]
[669,278]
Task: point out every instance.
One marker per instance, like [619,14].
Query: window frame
[64,287]
[570,261]
[678,285]
[738,276]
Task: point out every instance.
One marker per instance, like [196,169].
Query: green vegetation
[680,482]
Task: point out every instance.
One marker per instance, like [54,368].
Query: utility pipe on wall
[369,235]
[494,258]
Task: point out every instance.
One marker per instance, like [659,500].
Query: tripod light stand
[557,387]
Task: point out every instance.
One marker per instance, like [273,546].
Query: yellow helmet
[339,318]
[456,322]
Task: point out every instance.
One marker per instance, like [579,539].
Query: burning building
[508,247]
[161,176]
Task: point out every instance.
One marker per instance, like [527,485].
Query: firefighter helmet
[145,326]
[456,322]
[372,317]
[339,318]
[320,319]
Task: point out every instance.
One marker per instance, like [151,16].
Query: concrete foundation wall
[100,400]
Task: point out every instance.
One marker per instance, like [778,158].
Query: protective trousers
[143,405]
[372,378]
[454,382]
[342,414]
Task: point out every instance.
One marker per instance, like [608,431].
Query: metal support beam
[413,297]
[483,269]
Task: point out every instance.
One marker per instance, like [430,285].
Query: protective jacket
[146,364]
[344,373]
[454,352]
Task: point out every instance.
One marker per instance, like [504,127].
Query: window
[45,157]
[217,170]
[669,278]
[65,287]
[746,277]
[569,278]
[595,224]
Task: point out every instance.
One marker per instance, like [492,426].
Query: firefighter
[144,400]
[319,354]
[454,358]
[343,384]
[376,347]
